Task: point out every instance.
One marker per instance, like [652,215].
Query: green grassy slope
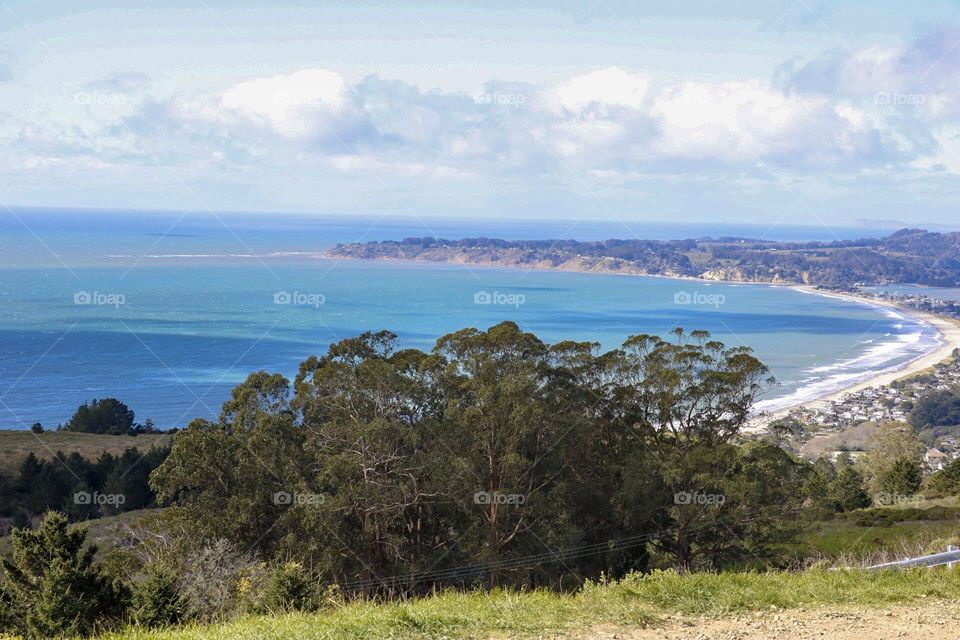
[636,601]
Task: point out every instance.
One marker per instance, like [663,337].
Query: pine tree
[52,585]
[846,490]
[157,601]
[903,478]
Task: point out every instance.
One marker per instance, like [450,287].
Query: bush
[846,490]
[946,481]
[903,478]
[156,599]
[217,582]
[886,517]
[290,588]
[52,586]
[106,416]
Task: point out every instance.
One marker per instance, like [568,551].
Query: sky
[755,111]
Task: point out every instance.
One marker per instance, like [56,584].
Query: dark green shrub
[846,491]
[946,481]
[156,599]
[107,415]
[52,585]
[903,478]
[290,588]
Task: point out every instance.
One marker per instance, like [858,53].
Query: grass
[105,532]
[17,445]
[636,601]
[893,528]
[843,537]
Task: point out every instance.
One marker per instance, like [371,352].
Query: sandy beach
[948,328]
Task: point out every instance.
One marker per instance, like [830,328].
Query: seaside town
[884,403]
[918,302]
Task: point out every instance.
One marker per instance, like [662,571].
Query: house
[936,459]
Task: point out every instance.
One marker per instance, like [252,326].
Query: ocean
[168,312]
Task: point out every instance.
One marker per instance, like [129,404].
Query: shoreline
[948,329]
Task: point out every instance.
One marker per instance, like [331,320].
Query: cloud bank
[862,114]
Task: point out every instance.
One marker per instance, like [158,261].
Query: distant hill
[907,256]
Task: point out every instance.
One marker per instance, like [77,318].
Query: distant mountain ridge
[908,256]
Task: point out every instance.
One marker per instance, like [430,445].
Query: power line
[522,562]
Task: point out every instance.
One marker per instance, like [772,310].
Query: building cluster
[884,404]
[916,301]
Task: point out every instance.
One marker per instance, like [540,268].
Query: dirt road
[939,619]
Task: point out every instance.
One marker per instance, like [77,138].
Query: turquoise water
[170,322]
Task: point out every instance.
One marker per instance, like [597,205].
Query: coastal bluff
[907,256]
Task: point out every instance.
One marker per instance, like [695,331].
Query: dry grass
[17,445]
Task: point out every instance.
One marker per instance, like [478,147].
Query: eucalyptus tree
[686,399]
[224,477]
[377,505]
[511,435]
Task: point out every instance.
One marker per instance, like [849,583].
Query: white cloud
[747,121]
[919,79]
[605,87]
[609,124]
[295,105]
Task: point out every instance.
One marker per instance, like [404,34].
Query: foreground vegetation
[495,463]
[635,601]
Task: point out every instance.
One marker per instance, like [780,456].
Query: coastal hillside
[907,256]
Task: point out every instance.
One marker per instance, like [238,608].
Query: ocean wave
[271,254]
[879,358]
[199,255]
[878,353]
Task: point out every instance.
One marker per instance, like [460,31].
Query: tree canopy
[397,469]
[104,416]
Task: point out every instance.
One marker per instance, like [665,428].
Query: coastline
[948,329]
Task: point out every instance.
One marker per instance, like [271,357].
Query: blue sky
[770,112]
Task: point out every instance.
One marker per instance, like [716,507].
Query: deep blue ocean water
[168,313]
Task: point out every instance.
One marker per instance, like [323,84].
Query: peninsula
[907,256]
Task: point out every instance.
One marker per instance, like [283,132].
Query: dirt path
[940,620]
